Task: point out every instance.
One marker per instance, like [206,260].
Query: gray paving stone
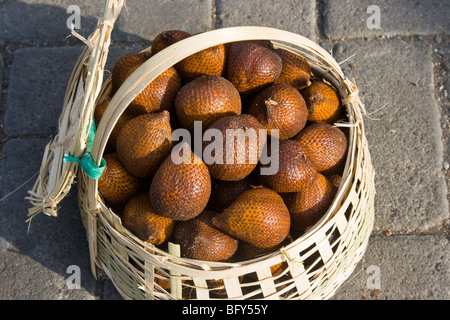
[38,81]
[1,69]
[22,160]
[41,21]
[409,268]
[144,19]
[39,78]
[348,19]
[46,21]
[446,70]
[395,79]
[1,75]
[34,263]
[443,93]
[295,16]
[118,50]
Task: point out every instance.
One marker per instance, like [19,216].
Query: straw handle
[56,175]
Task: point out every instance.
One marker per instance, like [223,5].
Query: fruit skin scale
[309,205]
[325,146]
[126,116]
[225,192]
[117,185]
[296,70]
[181,191]
[281,107]
[125,66]
[252,67]
[158,95]
[207,98]
[322,100]
[199,239]
[238,162]
[295,171]
[167,38]
[210,61]
[139,217]
[258,216]
[144,142]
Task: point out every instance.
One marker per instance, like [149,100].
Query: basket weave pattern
[317,263]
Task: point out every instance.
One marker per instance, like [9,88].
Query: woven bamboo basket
[316,264]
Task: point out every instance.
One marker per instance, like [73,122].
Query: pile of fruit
[224,210]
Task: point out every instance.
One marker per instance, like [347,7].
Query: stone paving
[400,63]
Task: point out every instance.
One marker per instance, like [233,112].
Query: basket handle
[56,175]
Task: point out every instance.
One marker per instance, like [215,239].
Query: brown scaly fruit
[116,184]
[125,65]
[181,190]
[309,205]
[296,71]
[252,67]
[126,116]
[336,180]
[144,142]
[206,99]
[280,107]
[199,239]
[158,95]
[100,109]
[325,146]
[167,38]
[246,138]
[140,218]
[225,192]
[323,102]
[210,61]
[258,216]
[295,170]
[264,43]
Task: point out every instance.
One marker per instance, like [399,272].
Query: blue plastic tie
[87,164]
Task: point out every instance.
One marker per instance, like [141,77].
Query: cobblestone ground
[399,56]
